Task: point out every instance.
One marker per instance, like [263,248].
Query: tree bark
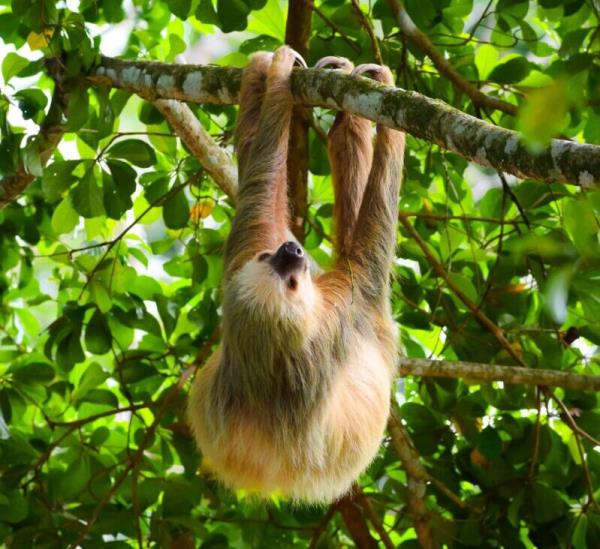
[421,116]
[494,372]
[297,32]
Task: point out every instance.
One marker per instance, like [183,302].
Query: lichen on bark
[421,116]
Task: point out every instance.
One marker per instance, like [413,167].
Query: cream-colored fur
[342,440]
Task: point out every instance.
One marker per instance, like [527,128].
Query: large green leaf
[135,151]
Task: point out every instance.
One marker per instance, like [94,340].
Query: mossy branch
[421,116]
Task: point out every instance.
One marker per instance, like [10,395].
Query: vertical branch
[365,23]
[355,522]
[51,132]
[417,478]
[297,32]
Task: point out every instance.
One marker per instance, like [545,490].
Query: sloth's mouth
[292,282]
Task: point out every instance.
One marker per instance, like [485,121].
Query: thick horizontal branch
[494,372]
[421,116]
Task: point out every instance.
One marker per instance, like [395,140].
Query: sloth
[296,399]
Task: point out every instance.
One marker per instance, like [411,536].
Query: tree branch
[421,40]
[417,480]
[366,24]
[297,34]
[374,518]
[355,522]
[211,156]
[494,372]
[421,116]
[43,145]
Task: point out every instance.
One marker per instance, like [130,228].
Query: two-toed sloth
[295,401]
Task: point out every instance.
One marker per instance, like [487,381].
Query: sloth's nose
[292,249]
[289,257]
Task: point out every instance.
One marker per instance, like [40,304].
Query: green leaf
[33,372]
[16,509]
[12,65]
[118,188]
[58,177]
[264,42]
[135,151]
[87,196]
[233,15]
[32,160]
[176,211]
[100,396]
[69,351]
[418,417]
[546,503]
[545,114]
[486,59]
[512,71]
[99,436]
[97,334]
[75,478]
[582,226]
[578,539]
[205,12]
[91,378]
[516,8]
[113,11]
[168,311]
[77,111]
[64,218]
[557,293]
[180,8]
[145,287]
[489,443]
[31,102]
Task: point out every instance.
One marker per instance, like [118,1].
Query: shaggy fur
[296,399]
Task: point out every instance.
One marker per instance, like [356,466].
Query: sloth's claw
[299,60]
[332,62]
[380,73]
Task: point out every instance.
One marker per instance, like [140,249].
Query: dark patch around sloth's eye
[264,256]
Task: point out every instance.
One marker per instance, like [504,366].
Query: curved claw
[380,73]
[299,60]
[333,62]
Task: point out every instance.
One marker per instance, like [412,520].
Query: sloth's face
[278,280]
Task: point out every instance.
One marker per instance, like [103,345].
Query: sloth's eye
[264,256]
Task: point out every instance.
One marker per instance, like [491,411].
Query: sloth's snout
[289,257]
[291,249]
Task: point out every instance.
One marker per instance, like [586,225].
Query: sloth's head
[277,281]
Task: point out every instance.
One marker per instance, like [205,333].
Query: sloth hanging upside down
[296,399]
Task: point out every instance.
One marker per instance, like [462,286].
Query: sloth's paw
[380,73]
[332,62]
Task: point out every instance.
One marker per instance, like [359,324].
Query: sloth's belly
[338,443]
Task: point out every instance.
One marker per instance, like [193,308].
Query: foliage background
[111,263]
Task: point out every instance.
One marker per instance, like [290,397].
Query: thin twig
[366,504]
[421,40]
[367,25]
[336,29]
